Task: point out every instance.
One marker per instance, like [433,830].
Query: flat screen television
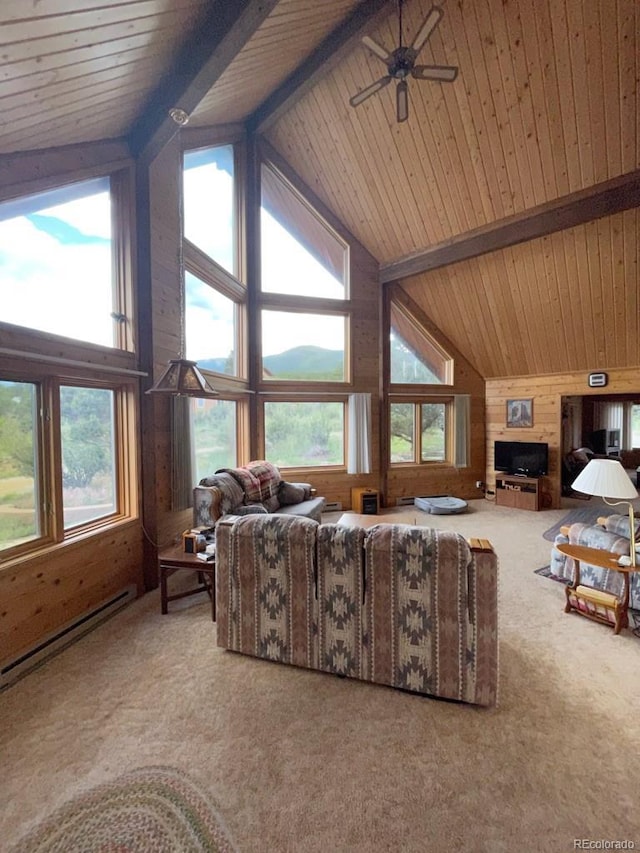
[527,458]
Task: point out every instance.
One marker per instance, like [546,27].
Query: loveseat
[609,534]
[400,605]
[255,488]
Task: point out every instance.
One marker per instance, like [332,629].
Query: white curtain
[462,418]
[608,415]
[627,427]
[359,430]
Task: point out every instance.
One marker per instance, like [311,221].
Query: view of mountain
[297,363]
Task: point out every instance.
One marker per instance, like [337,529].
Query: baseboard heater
[63,637]
[334,506]
[406,501]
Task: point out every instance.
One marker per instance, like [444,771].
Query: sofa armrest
[481,546]
[206,505]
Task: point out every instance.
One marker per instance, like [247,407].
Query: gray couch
[612,535]
[255,488]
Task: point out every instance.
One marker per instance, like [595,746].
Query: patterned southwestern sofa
[610,534]
[405,606]
[253,488]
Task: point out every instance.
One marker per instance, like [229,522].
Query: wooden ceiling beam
[604,199]
[224,29]
[325,57]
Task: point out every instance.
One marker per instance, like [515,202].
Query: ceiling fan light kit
[401,63]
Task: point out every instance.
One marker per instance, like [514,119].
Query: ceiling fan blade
[370,90]
[444,73]
[376,48]
[402,101]
[429,25]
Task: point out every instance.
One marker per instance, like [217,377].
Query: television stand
[517,491]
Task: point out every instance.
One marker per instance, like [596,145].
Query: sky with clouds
[55,272]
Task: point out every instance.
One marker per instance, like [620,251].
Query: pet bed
[440,504]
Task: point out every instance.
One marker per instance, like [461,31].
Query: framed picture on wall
[519,413]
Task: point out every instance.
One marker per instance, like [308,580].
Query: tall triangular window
[415,357]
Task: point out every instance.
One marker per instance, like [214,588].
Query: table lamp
[606,478]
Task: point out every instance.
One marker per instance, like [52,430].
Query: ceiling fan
[401,63]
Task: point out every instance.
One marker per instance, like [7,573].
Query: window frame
[122,292]
[305,308]
[447,359]
[237,207]
[210,272]
[49,456]
[301,304]
[266,163]
[417,401]
[306,398]
[241,426]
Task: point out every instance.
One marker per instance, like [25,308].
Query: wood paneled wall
[547,393]
[165,178]
[39,594]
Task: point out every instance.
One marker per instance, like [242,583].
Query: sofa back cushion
[421,606]
[265,568]
[619,524]
[341,632]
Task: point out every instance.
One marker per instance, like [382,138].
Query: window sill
[48,548]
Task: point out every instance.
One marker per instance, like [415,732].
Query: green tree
[87,437]
[17,409]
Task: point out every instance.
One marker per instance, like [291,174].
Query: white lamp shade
[605,478]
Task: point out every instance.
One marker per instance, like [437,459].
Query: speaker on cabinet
[365,501]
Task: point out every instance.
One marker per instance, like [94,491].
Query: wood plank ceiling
[78,72]
[546,104]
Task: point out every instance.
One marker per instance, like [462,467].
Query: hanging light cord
[181,274]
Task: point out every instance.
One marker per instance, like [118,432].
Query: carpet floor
[302,762]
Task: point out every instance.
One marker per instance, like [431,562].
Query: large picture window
[19,463]
[209,204]
[304,434]
[56,263]
[415,358]
[214,433]
[88,438]
[66,459]
[419,431]
[303,347]
[316,258]
[210,327]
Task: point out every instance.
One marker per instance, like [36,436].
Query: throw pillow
[290,493]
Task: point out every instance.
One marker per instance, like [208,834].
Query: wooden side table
[595,603]
[171,560]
